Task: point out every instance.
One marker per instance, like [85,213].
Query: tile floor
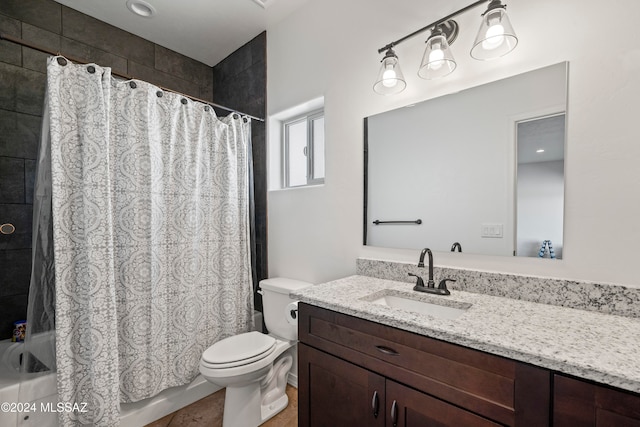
[207,412]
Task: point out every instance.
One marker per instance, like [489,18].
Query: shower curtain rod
[124,76]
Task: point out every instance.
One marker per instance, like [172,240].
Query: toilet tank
[275,298]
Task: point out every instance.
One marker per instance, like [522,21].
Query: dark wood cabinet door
[407,407]
[582,404]
[335,393]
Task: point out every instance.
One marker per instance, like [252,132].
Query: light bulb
[437,60]
[436,57]
[494,37]
[389,77]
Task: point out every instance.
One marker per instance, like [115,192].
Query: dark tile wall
[22,85]
[240,82]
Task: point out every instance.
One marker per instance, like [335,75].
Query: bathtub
[38,391]
[40,387]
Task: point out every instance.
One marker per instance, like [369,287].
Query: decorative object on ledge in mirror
[547,245]
[378,222]
[495,38]
[457,246]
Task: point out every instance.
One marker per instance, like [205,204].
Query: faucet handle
[443,284]
[419,281]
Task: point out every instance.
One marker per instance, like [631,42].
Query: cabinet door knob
[386,350]
[394,413]
[375,404]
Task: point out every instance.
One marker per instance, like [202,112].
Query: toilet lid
[236,349]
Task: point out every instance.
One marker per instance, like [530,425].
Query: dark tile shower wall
[22,84]
[240,82]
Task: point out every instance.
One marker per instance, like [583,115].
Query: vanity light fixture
[540,151]
[495,38]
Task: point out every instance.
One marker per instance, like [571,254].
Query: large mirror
[479,171]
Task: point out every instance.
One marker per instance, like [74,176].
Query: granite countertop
[600,347]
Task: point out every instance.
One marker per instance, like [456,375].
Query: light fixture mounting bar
[432,25]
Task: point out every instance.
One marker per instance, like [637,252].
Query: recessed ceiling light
[263,3]
[540,151]
[141,8]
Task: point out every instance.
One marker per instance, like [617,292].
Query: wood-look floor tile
[293,422]
[162,422]
[205,412]
[289,416]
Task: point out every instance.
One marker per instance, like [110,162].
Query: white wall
[329,48]
[423,163]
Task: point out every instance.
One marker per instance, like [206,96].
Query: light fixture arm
[436,23]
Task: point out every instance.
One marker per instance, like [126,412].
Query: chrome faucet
[455,246]
[430,282]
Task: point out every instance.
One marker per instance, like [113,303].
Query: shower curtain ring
[7,228]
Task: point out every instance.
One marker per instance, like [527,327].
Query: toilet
[254,366]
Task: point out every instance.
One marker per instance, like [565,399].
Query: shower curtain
[151,249]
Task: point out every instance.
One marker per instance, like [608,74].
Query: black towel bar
[378,222]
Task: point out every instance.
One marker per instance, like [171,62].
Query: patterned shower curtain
[151,236]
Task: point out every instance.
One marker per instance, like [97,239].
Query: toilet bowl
[254,366]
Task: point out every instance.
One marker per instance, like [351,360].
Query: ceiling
[205,30]
[541,134]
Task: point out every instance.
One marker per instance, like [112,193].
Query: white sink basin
[416,306]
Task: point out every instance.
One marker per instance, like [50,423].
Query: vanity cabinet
[343,394]
[353,372]
[582,404]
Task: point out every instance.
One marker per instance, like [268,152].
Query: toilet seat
[238,350]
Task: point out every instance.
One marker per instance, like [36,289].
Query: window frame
[309,148]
